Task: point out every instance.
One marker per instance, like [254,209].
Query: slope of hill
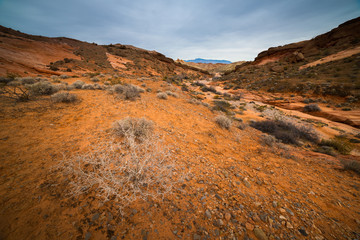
[27,54]
[325,65]
[201,60]
[213,68]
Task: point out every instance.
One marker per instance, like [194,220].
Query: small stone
[288,225]
[113,238]
[256,218]
[227,216]
[289,211]
[263,217]
[249,226]
[218,197]
[303,232]
[96,216]
[275,204]
[260,234]
[196,237]
[144,234]
[87,235]
[247,184]
[282,210]
[282,217]
[220,222]
[207,213]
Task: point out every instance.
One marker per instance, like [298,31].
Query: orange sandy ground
[323,198]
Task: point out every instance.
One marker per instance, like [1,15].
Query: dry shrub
[136,128]
[285,131]
[313,107]
[88,87]
[42,88]
[223,121]
[17,93]
[352,165]
[170,93]
[337,143]
[78,84]
[162,95]
[64,97]
[128,92]
[124,171]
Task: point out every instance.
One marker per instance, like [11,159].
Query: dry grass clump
[223,121]
[352,165]
[42,88]
[88,87]
[313,107]
[64,97]
[136,128]
[128,91]
[162,95]
[285,131]
[337,143]
[170,93]
[78,84]
[125,171]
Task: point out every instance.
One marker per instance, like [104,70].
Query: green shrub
[337,143]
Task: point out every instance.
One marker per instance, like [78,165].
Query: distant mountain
[200,60]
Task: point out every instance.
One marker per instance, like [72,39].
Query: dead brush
[124,171]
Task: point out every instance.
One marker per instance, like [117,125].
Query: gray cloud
[227,29]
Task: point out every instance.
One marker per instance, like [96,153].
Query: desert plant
[123,172]
[170,93]
[64,97]
[285,131]
[88,87]
[222,106]
[16,93]
[78,84]
[352,165]
[42,88]
[27,80]
[313,107]
[162,95]
[95,79]
[337,143]
[223,121]
[136,128]
[64,76]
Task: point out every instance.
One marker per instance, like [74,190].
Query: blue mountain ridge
[201,60]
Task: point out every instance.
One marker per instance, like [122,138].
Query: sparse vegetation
[352,165]
[223,121]
[313,107]
[173,94]
[340,144]
[162,95]
[128,91]
[42,88]
[64,97]
[16,93]
[287,132]
[136,128]
[78,84]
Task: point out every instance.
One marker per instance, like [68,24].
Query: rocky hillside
[327,65]
[24,54]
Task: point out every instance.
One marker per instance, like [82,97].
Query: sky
[233,30]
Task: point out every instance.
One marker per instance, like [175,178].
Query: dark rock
[207,213]
[95,216]
[302,231]
[87,236]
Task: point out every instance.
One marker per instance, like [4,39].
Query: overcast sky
[214,29]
